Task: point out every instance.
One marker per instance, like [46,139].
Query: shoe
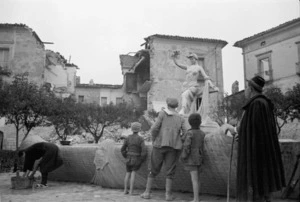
[41,186]
[145,196]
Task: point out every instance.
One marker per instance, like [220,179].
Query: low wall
[104,165]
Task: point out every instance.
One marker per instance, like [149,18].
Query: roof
[7,25]
[59,58]
[98,86]
[224,43]
[242,42]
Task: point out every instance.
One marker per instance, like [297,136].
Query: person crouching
[44,156]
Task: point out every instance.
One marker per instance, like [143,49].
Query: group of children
[135,152]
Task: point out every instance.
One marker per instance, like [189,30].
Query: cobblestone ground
[66,191]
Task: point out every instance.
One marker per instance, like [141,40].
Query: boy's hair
[195,120]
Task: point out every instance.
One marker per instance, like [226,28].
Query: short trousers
[133,163]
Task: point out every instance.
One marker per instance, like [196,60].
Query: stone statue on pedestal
[192,87]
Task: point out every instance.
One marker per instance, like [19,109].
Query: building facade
[101,94]
[150,76]
[59,74]
[273,54]
[21,50]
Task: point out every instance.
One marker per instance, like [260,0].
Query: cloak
[259,166]
[49,152]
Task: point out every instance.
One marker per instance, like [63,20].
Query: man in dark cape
[259,167]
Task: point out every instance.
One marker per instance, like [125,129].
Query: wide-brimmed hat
[193,55]
[257,83]
[172,102]
[136,127]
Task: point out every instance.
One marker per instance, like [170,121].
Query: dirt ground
[66,191]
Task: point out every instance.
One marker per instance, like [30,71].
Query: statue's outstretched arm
[174,57]
[206,77]
[179,65]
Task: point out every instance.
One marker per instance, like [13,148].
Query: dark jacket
[192,151]
[134,145]
[49,153]
[259,167]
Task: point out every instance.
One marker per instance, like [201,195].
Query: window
[80,98]
[265,66]
[103,101]
[4,57]
[119,100]
[201,62]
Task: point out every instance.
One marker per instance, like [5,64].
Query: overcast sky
[94,33]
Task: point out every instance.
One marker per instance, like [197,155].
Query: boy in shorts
[134,150]
[192,152]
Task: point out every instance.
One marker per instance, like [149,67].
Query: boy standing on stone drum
[192,152]
[134,150]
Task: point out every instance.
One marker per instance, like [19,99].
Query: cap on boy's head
[195,120]
[257,83]
[136,127]
[192,55]
[172,102]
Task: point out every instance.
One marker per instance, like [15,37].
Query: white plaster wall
[91,95]
[284,57]
[111,94]
[57,75]
[61,76]
[71,78]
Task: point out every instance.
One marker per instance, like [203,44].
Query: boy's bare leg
[195,182]
[132,179]
[126,180]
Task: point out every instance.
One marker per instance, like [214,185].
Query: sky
[93,33]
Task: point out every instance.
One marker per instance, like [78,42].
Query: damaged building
[21,50]
[150,75]
[59,75]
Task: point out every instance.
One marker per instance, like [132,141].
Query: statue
[235,87]
[192,87]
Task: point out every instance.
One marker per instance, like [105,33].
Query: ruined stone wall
[167,78]
[61,76]
[26,54]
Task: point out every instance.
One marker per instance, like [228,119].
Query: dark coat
[49,153]
[192,151]
[259,167]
